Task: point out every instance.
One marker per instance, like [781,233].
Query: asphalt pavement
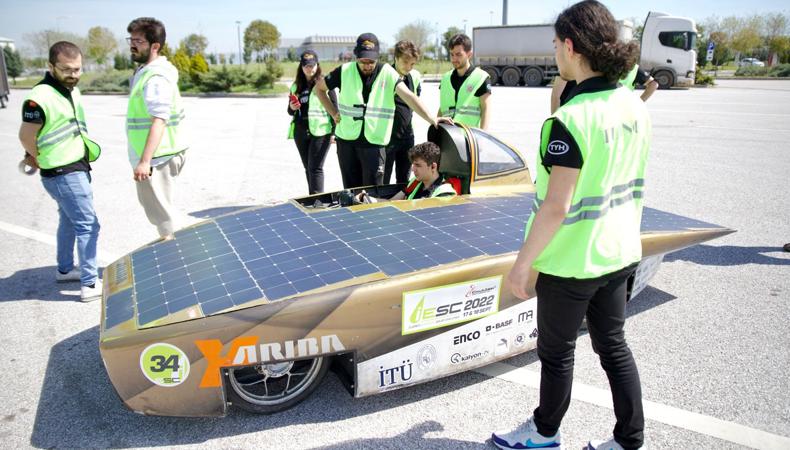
[709,334]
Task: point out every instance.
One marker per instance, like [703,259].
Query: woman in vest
[311,127]
[583,237]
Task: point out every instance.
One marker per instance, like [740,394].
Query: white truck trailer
[516,55]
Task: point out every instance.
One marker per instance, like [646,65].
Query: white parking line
[104,258]
[698,423]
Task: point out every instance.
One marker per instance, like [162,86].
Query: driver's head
[425,160]
[460,50]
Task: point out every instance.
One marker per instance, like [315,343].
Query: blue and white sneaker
[526,436]
[610,444]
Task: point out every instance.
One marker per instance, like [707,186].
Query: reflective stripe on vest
[63,138]
[318,121]
[442,190]
[467,109]
[601,231]
[377,116]
[138,121]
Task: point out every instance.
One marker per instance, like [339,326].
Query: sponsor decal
[526,316]
[426,357]
[499,326]
[534,333]
[428,309]
[558,148]
[520,340]
[395,375]
[164,364]
[458,358]
[245,351]
[469,88]
[462,338]
[501,347]
[32,114]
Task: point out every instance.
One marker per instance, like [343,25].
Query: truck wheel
[493,75]
[511,77]
[533,77]
[271,388]
[664,78]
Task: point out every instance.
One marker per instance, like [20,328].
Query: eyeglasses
[135,41]
[68,71]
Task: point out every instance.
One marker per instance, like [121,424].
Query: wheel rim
[274,384]
[533,77]
[510,77]
[663,79]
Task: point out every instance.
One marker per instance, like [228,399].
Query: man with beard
[464,91]
[157,145]
[55,138]
[366,112]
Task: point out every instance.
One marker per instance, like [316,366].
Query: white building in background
[330,48]
[7,42]
[288,45]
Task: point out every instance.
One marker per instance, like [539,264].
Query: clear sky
[216,19]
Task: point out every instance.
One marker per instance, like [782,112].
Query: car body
[745,62]
[250,308]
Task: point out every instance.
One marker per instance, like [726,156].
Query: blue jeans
[78,222]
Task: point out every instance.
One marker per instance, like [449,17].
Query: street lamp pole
[238,31]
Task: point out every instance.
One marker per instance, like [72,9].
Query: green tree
[745,37]
[417,32]
[122,61]
[100,44]
[181,60]
[447,35]
[260,36]
[13,62]
[212,58]
[776,39]
[194,44]
[197,64]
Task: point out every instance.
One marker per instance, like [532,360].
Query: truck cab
[669,49]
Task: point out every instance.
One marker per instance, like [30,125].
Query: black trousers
[562,304]
[398,156]
[360,164]
[312,150]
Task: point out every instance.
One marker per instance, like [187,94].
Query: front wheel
[664,78]
[271,388]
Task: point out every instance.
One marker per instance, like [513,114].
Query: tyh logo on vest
[558,148]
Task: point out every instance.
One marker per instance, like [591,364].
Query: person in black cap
[366,109]
[311,126]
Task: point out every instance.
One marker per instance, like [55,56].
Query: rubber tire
[493,75]
[664,78]
[237,400]
[533,77]
[511,77]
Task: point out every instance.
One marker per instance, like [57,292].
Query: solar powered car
[252,308]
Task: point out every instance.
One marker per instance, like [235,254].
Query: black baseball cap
[367,46]
[309,58]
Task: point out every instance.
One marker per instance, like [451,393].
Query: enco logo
[466,337]
[474,291]
[388,377]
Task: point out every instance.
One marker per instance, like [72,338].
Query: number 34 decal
[164,364]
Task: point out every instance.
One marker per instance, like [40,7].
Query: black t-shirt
[34,113]
[333,81]
[457,80]
[401,128]
[563,149]
[641,78]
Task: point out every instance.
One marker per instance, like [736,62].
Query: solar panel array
[279,251]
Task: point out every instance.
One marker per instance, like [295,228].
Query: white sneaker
[72,275]
[89,294]
[526,436]
[610,444]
